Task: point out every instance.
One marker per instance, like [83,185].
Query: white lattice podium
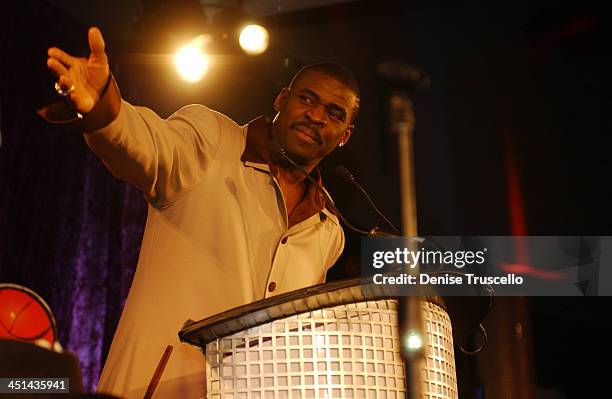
[337,340]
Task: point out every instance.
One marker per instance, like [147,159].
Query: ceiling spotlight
[254,39]
[191,61]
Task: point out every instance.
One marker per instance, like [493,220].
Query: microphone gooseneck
[277,149]
[347,175]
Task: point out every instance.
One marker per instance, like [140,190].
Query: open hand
[84,78]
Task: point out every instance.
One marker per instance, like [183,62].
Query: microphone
[399,73]
[276,149]
[346,174]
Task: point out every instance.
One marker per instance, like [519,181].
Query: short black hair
[337,71]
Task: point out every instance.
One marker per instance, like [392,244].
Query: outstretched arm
[163,157]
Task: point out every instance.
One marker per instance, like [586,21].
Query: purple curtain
[68,229]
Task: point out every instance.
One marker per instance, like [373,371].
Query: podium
[336,340]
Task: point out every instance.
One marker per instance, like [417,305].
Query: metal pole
[412,331]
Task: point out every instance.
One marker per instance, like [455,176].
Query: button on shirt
[217,237]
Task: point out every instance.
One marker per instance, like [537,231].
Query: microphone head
[399,73]
[344,173]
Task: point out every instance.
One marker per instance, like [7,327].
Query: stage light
[254,39]
[413,341]
[191,61]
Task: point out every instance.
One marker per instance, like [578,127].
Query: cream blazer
[216,236]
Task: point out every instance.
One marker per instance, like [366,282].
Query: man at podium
[230,221]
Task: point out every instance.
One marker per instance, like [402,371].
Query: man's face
[313,117]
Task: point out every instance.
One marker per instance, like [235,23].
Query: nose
[317,114]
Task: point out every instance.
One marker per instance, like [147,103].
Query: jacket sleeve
[163,157]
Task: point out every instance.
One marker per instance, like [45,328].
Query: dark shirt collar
[258,141]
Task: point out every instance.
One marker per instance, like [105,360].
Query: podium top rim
[353,290]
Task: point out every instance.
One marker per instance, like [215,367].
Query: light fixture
[254,39]
[191,61]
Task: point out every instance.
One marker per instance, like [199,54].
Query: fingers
[57,67]
[62,56]
[96,44]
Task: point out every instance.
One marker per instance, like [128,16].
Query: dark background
[512,137]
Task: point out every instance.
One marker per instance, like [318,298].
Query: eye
[305,99]
[336,115]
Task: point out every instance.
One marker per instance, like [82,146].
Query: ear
[280,99]
[347,134]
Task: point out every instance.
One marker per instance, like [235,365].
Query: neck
[291,175]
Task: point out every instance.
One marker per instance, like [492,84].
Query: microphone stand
[412,332]
[347,175]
